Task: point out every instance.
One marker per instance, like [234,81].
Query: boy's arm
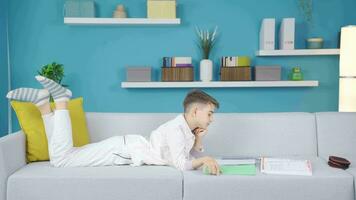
[209,162]
[198,143]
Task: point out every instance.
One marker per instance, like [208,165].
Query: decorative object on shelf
[287,34]
[267,34]
[79,8]
[347,79]
[206,42]
[177,74]
[315,43]
[267,73]
[161,9]
[296,74]
[120,12]
[138,74]
[53,71]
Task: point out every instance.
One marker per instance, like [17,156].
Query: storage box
[138,74]
[161,9]
[79,8]
[177,74]
[267,73]
[235,73]
[287,34]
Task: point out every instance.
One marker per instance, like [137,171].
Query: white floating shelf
[298,52]
[219,84]
[120,21]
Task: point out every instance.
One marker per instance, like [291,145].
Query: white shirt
[173,142]
[170,144]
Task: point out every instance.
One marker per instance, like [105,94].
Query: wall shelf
[298,52]
[220,84]
[118,21]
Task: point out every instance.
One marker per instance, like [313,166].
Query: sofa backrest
[262,134]
[336,132]
[231,134]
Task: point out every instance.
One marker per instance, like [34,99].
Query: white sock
[36,96]
[58,92]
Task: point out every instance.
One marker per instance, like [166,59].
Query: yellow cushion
[32,125]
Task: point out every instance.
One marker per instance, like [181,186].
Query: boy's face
[204,115]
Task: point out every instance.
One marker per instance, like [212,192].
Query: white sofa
[312,136]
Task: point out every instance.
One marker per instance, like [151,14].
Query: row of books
[177,62]
[235,61]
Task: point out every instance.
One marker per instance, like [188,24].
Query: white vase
[206,70]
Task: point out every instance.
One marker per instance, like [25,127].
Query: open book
[286,166]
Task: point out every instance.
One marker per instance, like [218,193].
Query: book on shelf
[177,62]
[284,166]
[235,61]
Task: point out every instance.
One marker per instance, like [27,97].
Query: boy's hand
[200,132]
[212,165]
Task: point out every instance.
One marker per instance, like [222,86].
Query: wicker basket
[235,74]
[177,74]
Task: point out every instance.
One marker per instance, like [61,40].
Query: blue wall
[95,57]
[3,68]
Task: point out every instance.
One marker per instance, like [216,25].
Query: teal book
[246,170]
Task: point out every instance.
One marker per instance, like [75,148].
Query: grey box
[138,74]
[79,8]
[267,73]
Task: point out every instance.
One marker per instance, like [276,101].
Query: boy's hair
[198,96]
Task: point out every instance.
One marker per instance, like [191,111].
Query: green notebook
[248,170]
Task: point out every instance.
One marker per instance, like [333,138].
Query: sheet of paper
[286,166]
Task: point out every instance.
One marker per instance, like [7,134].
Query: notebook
[245,167]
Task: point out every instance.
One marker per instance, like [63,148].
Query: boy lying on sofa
[176,143]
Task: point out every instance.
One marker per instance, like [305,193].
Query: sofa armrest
[12,157]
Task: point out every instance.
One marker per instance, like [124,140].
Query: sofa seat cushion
[326,183]
[352,171]
[40,181]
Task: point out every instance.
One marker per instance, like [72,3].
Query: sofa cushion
[337,135]
[326,183]
[32,125]
[40,181]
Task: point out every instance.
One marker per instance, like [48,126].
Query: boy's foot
[58,92]
[36,96]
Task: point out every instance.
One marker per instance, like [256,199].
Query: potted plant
[53,71]
[206,42]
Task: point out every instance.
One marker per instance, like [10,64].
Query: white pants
[112,151]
